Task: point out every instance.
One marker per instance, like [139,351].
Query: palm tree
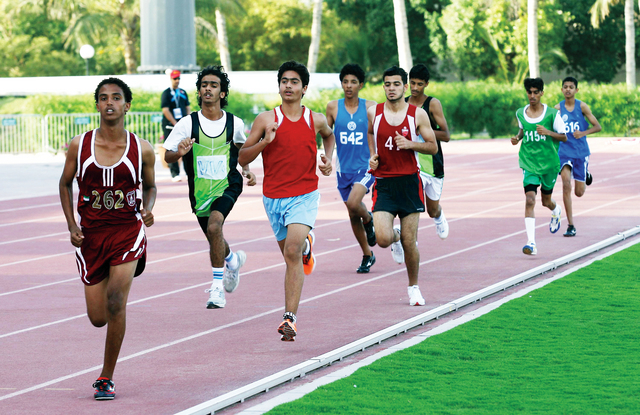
[532,36]
[599,11]
[219,32]
[402,35]
[316,29]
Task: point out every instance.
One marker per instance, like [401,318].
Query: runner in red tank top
[393,140]
[110,164]
[286,139]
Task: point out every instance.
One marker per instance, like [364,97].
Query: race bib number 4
[212,167]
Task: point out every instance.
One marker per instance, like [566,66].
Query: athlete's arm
[262,134]
[516,139]
[442,133]
[423,127]
[328,141]
[179,141]
[595,125]
[558,125]
[65,189]
[148,182]
[373,160]
[332,110]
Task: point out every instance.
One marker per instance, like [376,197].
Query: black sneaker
[105,390]
[371,233]
[367,262]
[589,179]
[571,231]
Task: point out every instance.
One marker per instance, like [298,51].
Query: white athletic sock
[556,211]
[232,260]
[218,273]
[530,226]
[440,218]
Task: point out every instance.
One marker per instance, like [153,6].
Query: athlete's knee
[97,320]
[115,302]
[579,192]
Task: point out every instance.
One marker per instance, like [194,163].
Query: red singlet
[394,162]
[290,159]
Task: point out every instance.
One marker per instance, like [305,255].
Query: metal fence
[52,133]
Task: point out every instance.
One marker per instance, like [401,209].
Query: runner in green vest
[541,130]
[208,142]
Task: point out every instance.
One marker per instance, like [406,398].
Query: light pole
[87,52]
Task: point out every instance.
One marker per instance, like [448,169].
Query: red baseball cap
[175,74]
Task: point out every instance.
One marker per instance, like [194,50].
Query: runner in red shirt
[394,127]
[111,165]
[286,137]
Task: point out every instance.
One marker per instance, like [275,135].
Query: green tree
[593,54]
[599,12]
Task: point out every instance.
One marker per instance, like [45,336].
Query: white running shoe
[231,277]
[216,298]
[442,229]
[554,225]
[415,296]
[396,248]
[530,249]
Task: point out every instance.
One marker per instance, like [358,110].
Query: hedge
[471,108]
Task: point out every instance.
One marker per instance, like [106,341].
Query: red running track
[177,354]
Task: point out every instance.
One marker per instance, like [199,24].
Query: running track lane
[177,354]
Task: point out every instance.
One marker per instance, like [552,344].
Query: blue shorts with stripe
[579,167]
[346,181]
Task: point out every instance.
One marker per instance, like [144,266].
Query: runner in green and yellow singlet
[541,130]
[208,141]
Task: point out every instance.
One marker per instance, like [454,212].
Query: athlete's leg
[580,188]
[292,247]
[565,174]
[106,304]
[218,247]
[409,230]
[385,235]
[530,204]
[548,202]
[358,214]
[433,207]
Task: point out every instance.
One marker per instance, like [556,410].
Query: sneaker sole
[361,270]
[528,251]
[104,398]
[211,306]
[288,333]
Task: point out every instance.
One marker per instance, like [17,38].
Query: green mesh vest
[211,165]
[538,153]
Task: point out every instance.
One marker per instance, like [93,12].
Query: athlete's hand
[251,178]
[578,134]
[147,217]
[402,143]
[185,146]
[325,167]
[270,132]
[76,236]
[515,140]
[541,130]
[373,161]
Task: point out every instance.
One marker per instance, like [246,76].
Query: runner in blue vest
[348,118]
[574,153]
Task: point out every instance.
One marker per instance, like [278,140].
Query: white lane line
[344,372]
[20,209]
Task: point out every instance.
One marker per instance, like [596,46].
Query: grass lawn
[570,347]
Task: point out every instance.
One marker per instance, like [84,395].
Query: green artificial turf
[571,347]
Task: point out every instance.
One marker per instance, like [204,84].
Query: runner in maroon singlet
[116,181]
